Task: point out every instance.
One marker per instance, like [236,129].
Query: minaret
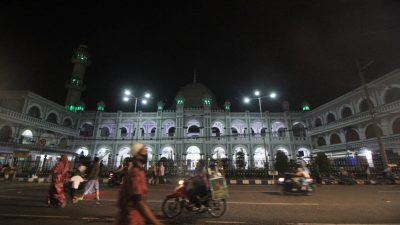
[75,85]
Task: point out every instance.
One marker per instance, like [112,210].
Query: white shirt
[76,180]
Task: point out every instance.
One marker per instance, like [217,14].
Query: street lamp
[128,96]
[258,96]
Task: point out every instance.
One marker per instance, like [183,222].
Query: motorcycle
[174,203]
[289,185]
[113,179]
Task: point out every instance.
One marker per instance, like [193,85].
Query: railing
[354,119]
[17,117]
[387,140]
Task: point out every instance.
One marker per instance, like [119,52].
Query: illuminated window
[207,101]
[180,101]
[100,108]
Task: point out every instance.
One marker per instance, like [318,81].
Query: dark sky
[304,50]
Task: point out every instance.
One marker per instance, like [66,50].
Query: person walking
[133,209]
[367,173]
[161,173]
[56,196]
[155,174]
[92,186]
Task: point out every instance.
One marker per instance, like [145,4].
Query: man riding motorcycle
[301,176]
[198,186]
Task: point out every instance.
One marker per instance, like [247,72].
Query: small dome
[194,94]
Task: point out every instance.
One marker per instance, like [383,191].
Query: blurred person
[133,210]
[92,186]
[56,196]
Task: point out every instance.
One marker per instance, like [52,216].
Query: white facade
[32,126]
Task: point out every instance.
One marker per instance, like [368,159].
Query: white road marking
[342,224]
[223,222]
[388,191]
[275,203]
[34,216]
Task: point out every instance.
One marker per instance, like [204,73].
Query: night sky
[303,50]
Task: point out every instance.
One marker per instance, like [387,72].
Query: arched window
[318,122]
[124,132]
[153,132]
[392,95]
[281,132]
[370,131]
[5,134]
[34,111]
[52,118]
[194,129]
[346,112]
[234,131]
[171,132]
[396,126]
[352,135]
[299,130]
[86,130]
[335,139]
[215,132]
[364,105]
[330,118]
[67,123]
[264,131]
[105,132]
[321,141]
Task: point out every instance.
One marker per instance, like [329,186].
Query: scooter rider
[301,176]
[198,187]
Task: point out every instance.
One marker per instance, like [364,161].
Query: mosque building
[33,127]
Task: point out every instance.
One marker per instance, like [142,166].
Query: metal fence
[229,167]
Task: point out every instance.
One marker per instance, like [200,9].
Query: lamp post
[128,96]
[258,96]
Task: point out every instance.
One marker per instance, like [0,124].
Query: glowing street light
[257,93]
[246,100]
[127,92]
[272,95]
[128,95]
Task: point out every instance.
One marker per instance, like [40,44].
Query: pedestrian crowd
[133,209]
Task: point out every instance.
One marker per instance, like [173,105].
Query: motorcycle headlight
[180,182]
[281,179]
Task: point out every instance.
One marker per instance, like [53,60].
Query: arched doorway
[67,122]
[352,135]
[370,131]
[103,154]
[240,158]
[168,153]
[260,158]
[219,153]
[346,112]
[123,153]
[82,151]
[52,118]
[192,157]
[27,137]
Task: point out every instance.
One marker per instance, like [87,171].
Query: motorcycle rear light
[281,179]
[180,182]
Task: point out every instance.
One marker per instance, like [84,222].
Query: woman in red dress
[56,195]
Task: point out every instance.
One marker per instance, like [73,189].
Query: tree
[282,164]
[323,163]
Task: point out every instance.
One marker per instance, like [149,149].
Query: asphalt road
[24,203]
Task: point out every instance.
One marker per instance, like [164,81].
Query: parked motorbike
[289,185]
[174,203]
